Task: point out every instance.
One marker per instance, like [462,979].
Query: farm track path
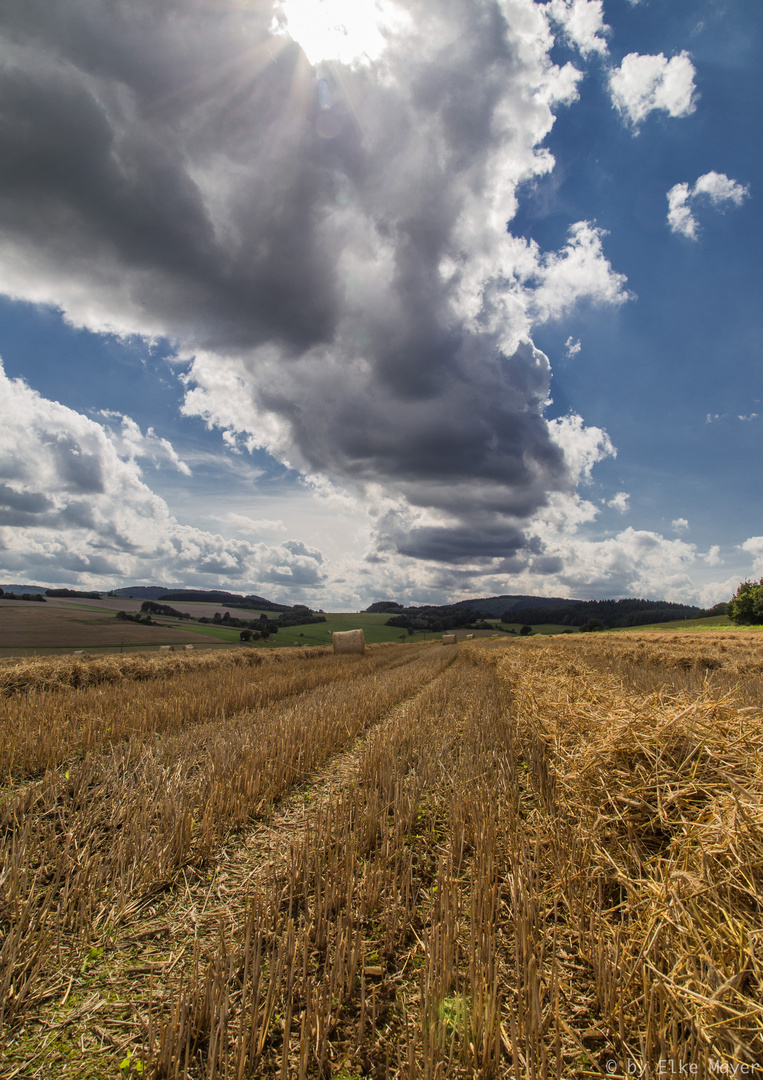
[146,960]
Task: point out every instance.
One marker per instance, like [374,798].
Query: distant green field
[374,629]
[308,634]
[712,622]
[372,626]
[220,633]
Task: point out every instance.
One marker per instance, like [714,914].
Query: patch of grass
[372,626]
[211,630]
[712,622]
[541,628]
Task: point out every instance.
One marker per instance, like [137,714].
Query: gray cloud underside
[336,257]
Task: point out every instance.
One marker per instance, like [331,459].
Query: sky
[335,301]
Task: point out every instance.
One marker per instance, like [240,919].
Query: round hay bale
[449,639]
[349,642]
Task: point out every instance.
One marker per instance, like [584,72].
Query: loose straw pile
[654,808]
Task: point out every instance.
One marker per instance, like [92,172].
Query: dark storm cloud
[27,503]
[97,160]
[477,445]
[462,544]
[176,169]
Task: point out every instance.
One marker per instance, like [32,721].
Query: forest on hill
[535,610]
[611,613]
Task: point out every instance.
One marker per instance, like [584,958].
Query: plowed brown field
[58,625]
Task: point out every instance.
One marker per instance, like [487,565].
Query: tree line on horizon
[251,629]
[433,618]
[590,614]
[611,613]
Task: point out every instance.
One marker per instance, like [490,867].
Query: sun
[350,31]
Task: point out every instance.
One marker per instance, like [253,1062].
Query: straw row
[83,848]
[652,808]
[48,728]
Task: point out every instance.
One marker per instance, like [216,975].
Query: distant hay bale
[349,642]
[449,639]
[469,637]
[166,648]
[187,647]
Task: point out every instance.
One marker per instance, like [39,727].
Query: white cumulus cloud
[582,23]
[712,188]
[551,284]
[132,443]
[754,546]
[635,562]
[713,555]
[620,502]
[583,446]
[644,83]
[74,507]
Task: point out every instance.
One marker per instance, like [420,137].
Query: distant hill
[610,613]
[536,610]
[509,607]
[496,605]
[199,596]
[141,592]
[213,596]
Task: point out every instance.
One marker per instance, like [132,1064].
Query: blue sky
[454,300]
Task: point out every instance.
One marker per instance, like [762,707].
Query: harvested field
[505,860]
[727,661]
[61,624]
[76,672]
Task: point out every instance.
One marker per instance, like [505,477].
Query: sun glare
[350,31]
